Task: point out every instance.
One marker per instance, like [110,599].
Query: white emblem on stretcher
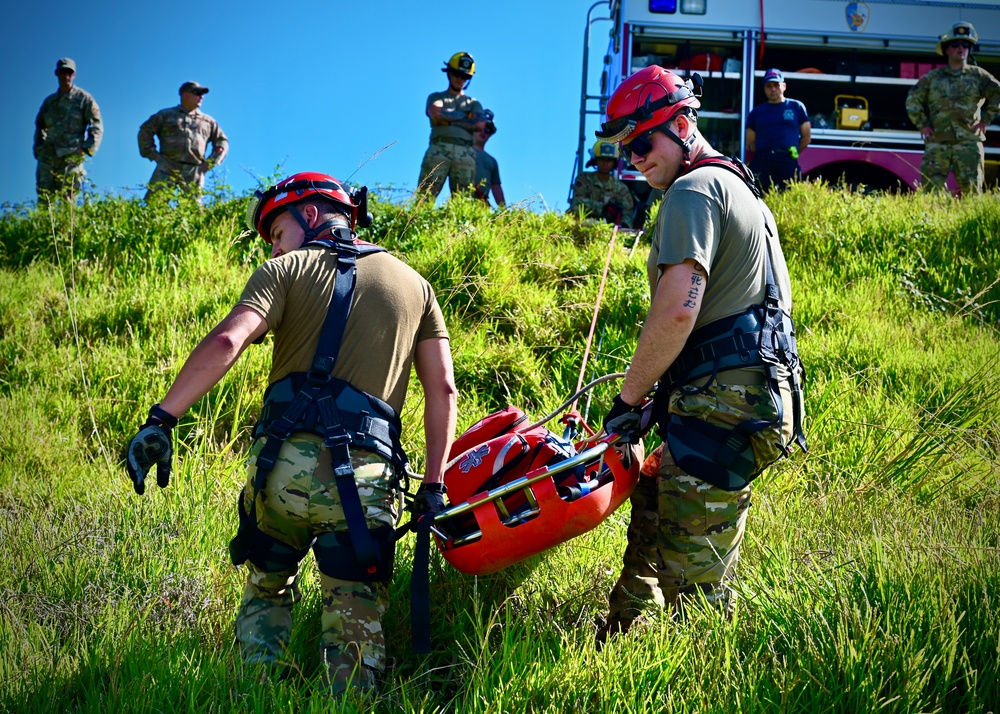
[473,459]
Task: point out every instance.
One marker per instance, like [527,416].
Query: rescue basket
[524,490]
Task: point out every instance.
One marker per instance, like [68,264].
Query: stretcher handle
[552,415]
[506,489]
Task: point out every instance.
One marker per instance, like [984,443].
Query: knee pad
[336,558]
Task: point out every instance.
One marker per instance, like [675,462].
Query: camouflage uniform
[299,502]
[181,159]
[684,534]
[451,154]
[951,102]
[592,194]
[393,310]
[67,124]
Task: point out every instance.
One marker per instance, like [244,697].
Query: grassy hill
[870,577]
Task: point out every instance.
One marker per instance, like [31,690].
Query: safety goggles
[642,144]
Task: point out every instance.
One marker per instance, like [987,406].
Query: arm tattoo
[697,284]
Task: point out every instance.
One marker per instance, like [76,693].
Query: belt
[451,140]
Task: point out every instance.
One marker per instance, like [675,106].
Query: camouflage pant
[171,174]
[684,534]
[965,159]
[447,161]
[59,177]
[299,502]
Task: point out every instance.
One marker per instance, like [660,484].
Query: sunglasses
[642,144]
[966,45]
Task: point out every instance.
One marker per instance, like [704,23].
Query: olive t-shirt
[461,103]
[394,308]
[710,216]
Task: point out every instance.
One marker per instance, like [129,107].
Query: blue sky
[322,88]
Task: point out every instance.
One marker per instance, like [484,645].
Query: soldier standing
[184,132]
[455,116]
[68,129]
[718,340]
[487,169]
[601,194]
[952,106]
[349,322]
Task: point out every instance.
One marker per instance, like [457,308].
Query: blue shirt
[777,125]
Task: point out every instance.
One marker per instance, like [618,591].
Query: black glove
[152,445]
[429,499]
[612,213]
[624,420]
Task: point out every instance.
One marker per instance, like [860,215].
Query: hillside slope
[871,571]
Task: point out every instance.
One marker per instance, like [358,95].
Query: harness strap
[748,339]
[420,598]
[335,436]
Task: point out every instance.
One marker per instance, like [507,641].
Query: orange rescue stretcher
[517,489]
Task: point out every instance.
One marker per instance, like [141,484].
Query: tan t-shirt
[394,308]
[710,216]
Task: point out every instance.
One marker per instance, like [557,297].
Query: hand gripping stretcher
[518,489]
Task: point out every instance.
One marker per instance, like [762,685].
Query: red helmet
[650,97]
[266,205]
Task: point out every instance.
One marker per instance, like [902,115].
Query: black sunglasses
[641,144]
[961,43]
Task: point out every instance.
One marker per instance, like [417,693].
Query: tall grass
[869,579]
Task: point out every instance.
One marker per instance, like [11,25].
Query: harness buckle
[341,438]
[319,375]
[363,428]
[280,429]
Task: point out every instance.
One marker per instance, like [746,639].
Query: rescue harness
[761,336]
[345,417]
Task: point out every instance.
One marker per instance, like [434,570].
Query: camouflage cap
[65,63]
[193,87]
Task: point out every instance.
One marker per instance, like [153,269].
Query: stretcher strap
[420,595]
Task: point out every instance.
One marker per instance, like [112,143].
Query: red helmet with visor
[647,99]
[266,205]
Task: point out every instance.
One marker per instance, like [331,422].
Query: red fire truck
[851,64]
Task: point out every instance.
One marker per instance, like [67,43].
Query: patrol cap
[193,87]
[773,75]
[65,63]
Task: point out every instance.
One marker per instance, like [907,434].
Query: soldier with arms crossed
[455,117]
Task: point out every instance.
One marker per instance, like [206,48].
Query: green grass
[869,578]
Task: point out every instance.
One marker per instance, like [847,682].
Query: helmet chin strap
[685,144]
[311,233]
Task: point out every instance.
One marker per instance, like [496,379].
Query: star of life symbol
[473,459]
